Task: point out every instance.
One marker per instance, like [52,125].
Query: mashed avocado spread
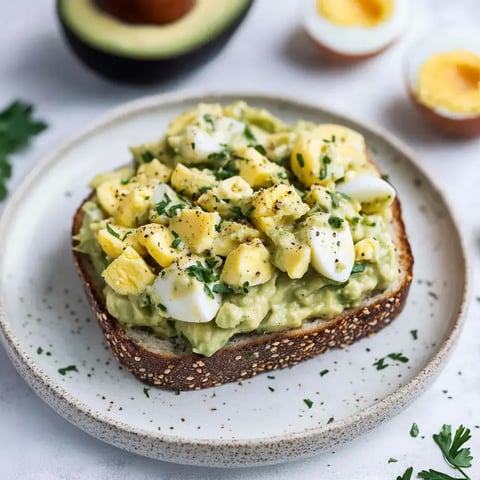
[235,222]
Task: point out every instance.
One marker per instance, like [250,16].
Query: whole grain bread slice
[162,363]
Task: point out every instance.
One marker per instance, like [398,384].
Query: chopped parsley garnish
[385,177]
[249,134]
[300,160]
[414,334]
[271,389]
[260,149]
[392,460]
[229,170]
[147,156]
[335,200]
[204,189]
[358,267]
[250,210]
[398,357]
[324,372]
[70,368]
[218,226]
[246,287]
[17,127]
[222,288]
[332,139]
[39,350]
[330,420]
[208,118]
[177,240]
[345,196]
[124,181]
[218,155]
[251,356]
[208,291]
[162,307]
[202,273]
[356,219]
[236,212]
[111,231]
[162,205]
[282,176]
[335,222]
[173,210]
[414,431]
[324,170]
[146,391]
[193,145]
[308,402]
[211,262]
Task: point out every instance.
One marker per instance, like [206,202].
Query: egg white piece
[200,143]
[164,192]
[225,128]
[432,44]
[355,41]
[184,297]
[333,252]
[367,188]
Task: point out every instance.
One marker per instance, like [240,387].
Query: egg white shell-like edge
[431,44]
[355,40]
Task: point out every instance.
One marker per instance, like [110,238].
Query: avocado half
[147,53]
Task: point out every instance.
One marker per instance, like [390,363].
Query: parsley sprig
[455,454]
[453,449]
[17,127]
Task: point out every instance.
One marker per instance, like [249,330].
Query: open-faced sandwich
[237,244]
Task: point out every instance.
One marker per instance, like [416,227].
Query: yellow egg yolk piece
[356,13]
[451,81]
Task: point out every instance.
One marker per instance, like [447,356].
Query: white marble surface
[268,53]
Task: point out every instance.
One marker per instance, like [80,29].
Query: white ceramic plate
[48,325]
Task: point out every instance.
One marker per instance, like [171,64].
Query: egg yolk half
[356,13]
[451,81]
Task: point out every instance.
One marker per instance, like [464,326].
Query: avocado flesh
[207,20]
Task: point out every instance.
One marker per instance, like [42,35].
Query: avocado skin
[146,71]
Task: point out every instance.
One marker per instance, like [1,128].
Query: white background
[268,54]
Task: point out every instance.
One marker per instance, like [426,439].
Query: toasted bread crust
[253,353]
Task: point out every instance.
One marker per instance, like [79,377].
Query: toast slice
[160,362]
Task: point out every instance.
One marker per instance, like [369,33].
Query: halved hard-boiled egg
[443,74]
[355,29]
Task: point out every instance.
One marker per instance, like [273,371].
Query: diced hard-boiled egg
[257,170]
[196,228]
[158,240]
[183,297]
[331,242]
[276,205]
[153,171]
[128,274]
[114,239]
[371,191]
[196,144]
[191,181]
[248,264]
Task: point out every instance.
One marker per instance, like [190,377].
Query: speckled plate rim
[228,453]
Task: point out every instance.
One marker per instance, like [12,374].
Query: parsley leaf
[70,368]
[146,392]
[17,127]
[358,267]
[112,232]
[455,456]
[407,475]
[335,200]
[300,160]
[249,134]
[335,222]
[222,288]
[436,475]
[147,156]
[414,431]
[308,402]
[260,149]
